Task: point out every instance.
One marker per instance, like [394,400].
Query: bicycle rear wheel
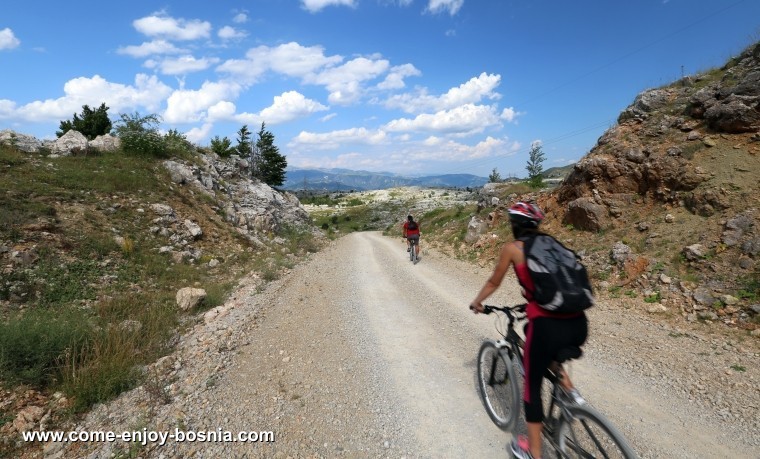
[590,435]
[498,386]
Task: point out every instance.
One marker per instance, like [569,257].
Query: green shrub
[33,343]
[139,135]
[102,369]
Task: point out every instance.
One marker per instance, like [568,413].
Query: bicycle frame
[513,343]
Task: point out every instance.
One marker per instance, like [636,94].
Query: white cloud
[150,48]
[147,93]
[7,109]
[344,81]
[315,6]
[472,91]
[185,64]
[240,18]
[335,139]
[441,149]
[188,106]
[223,110]
[289,106]
[197,135]
[328,117]
[395,77]
[160,25]
[442,6]
[8,40]
[231,33]
[509,114]
[465,120]
[290,59]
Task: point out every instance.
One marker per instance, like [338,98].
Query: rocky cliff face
[658,148]
[674,186]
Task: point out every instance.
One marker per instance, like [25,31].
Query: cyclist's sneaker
[574,396]
[520,447]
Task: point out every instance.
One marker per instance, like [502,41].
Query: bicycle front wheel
[588,434]
[497,385]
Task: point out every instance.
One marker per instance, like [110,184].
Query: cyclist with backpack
[411,230]
[547,331]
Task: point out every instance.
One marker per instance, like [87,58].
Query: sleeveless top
[533,310]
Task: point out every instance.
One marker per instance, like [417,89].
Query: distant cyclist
[546,333]
[411,231]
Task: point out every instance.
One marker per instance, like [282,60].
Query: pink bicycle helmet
[525,215]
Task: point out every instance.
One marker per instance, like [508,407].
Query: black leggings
[544,337]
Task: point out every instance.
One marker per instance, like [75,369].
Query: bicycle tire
[498,386]
[588,434]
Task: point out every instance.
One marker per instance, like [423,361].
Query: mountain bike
[571,429]
[413,242]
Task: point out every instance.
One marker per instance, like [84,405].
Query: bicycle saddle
[568,353]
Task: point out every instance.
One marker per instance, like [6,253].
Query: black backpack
[560,281]
[411,226]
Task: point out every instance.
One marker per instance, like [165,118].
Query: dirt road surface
[357,352]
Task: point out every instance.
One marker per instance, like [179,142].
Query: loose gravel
[359,353]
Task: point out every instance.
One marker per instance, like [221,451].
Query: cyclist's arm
[506,258]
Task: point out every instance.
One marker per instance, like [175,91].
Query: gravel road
[359,353]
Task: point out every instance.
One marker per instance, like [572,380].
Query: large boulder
[189,297]
[586,214]
[106,142]
[23,142]
[72,142]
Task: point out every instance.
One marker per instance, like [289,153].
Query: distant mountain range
[345,180]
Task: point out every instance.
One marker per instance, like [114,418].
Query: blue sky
[405,86]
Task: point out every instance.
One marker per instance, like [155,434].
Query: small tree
[495,177]
[244,142]
[534,166]
[91,123]
[139,134]
[176,143]
[271,166]
[222,147]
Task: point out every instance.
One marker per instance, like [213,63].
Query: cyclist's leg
[536,359]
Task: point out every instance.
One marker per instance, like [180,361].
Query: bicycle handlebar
[487,309]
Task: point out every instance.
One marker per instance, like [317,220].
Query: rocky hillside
[106,259]
[666,206]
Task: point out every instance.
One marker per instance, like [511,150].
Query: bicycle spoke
[586,434]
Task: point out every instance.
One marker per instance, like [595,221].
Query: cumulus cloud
[509,114]
[230,33]
[464,120]
[441,149]
[150,48]
[289,106]
[290,59]
[163,26]
[315,6]
[185,64]
[344,81]
[335,139]
[146,93]
[8,40]
[445,6]
[190,105]
[200,133]
[473,91]
[240,18]
[396,76]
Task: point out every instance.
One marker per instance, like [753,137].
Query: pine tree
[244,142]
[90,123]
[495,177]
[534,167]
[271,166]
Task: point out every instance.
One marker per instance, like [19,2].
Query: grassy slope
[85,296]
